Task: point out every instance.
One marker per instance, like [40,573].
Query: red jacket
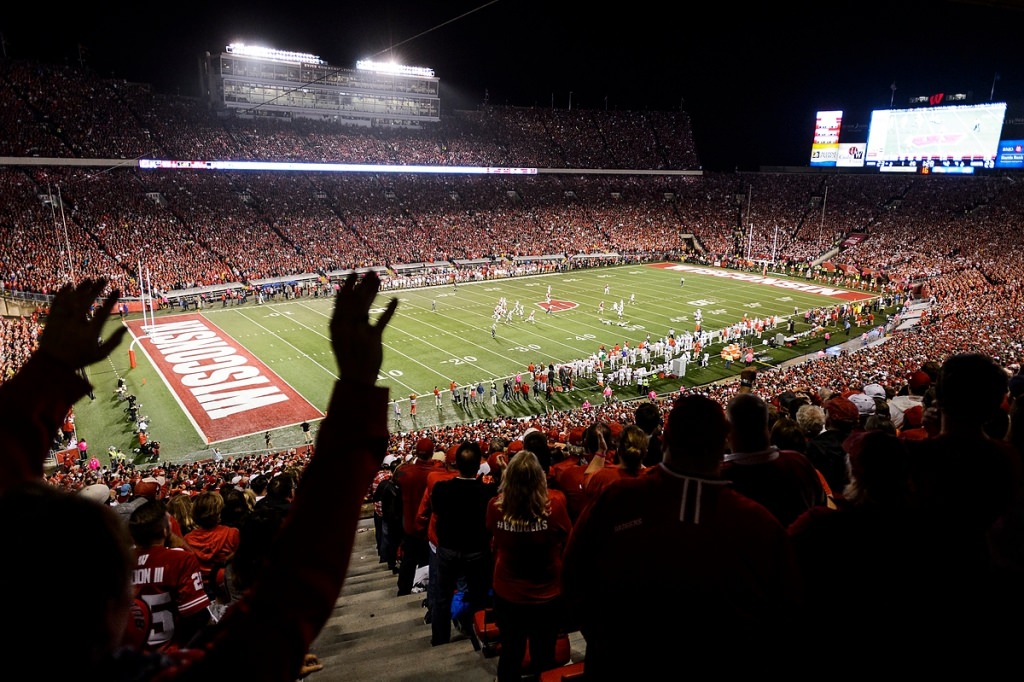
[411,478]
[426,520]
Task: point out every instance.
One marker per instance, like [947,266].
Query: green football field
[443,334]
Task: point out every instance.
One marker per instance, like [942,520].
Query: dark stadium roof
[752,77]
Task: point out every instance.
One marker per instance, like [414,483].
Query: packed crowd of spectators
[196,228]
[200,228]
[18,340]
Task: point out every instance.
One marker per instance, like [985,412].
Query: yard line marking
[300,352]
[324,336]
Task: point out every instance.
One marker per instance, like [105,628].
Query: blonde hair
[180,507]
[207,508]
[523,492]
[632,447]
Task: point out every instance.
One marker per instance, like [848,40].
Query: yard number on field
[525,349]
[459,361]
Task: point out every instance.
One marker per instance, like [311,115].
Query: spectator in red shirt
[411,478]
[731,578]
[168,579]
[530,525]
[569,473]
[213,542]
[630,453]
[784,481]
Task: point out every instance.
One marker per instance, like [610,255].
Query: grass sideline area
[443,334]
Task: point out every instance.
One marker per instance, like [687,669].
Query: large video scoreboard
[938,139]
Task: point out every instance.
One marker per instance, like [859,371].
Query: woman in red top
[529,525]
[212,542]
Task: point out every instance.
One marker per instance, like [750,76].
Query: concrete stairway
[375,635]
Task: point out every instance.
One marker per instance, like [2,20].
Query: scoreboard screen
[936,138]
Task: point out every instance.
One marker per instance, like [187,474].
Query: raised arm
[35,401]
[267,634]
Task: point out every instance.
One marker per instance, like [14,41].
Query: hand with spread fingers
[357,343]
[71,335]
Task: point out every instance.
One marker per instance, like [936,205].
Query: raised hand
[357,343]
[70,335]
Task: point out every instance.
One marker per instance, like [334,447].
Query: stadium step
[375,635]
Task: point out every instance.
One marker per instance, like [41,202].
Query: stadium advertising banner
[825,145]
[851,154]
[1011,154]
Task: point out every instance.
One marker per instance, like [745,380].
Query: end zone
[806,287]
[225,390]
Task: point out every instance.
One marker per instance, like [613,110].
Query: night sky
[752,78]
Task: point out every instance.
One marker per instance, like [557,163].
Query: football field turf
[438,335]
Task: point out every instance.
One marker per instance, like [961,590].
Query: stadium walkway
[375,635]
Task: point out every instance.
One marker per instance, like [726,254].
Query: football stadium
[560,275]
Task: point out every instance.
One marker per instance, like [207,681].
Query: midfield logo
[557,306]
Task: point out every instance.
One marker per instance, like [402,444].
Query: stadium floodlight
[243,50]
[395,69]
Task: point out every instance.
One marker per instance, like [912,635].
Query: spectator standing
[784,481]
[236,505]
[180,508]
[530,525]
[629,456]
[911,396]
[411,478]
[146,489]
[825,448]
[426,521]
[280,492]
[387,498]
[966,482]
[459,508]
[258,484]
[569,473]
[648,417]
[869,552]
[732,564]
[383,474]
[212,541]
